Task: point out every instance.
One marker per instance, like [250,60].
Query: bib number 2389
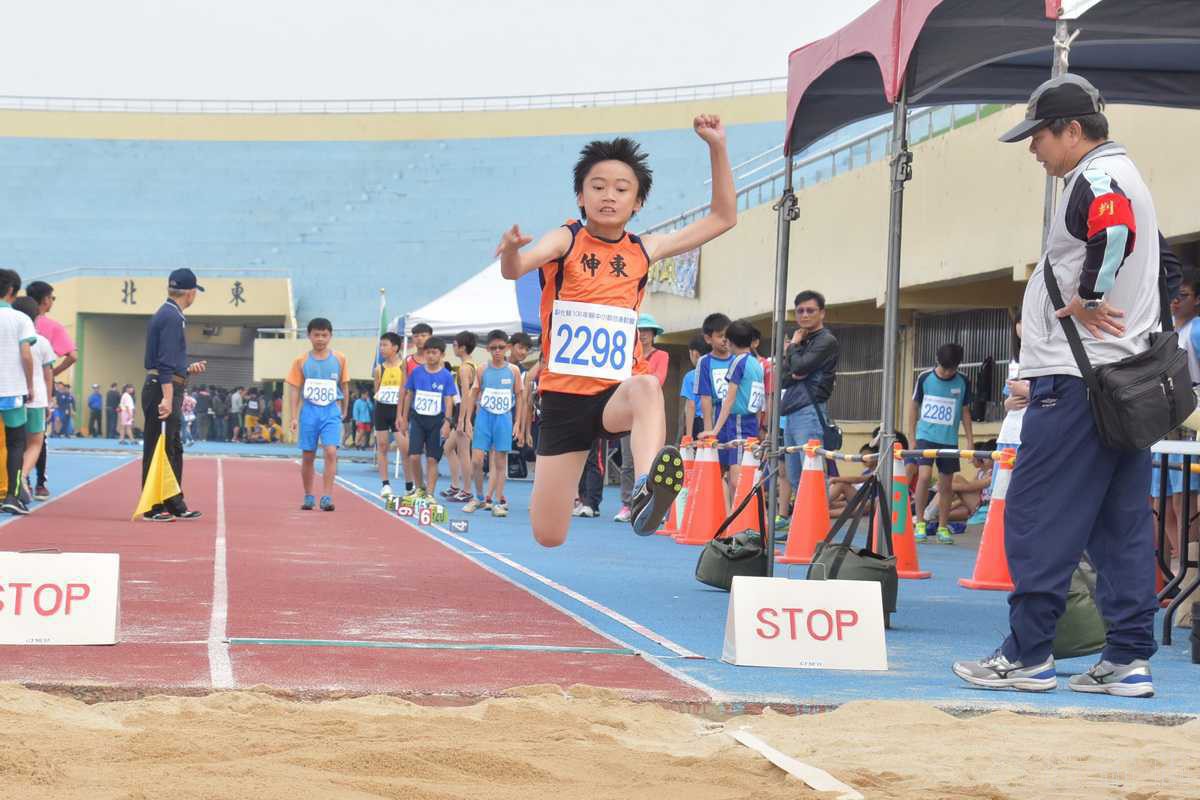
[593,341]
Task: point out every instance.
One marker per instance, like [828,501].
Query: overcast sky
[396,48]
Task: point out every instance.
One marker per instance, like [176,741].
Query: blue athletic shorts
[492,432]
[320,429]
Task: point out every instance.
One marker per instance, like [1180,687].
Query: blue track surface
[650,581]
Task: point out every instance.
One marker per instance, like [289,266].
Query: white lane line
[219,667]
[636,627]
[38,506]
[716,695]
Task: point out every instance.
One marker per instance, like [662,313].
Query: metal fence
[619,97]
[859,388]
[821,166]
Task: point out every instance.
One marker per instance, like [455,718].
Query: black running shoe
[13,505]
[186,514]
[653,496]
[158,516]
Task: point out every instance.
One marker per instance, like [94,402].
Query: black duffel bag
[721,560]
[840,561]
[1140,399]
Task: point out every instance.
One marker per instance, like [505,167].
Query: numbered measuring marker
[320,391]
[592,341]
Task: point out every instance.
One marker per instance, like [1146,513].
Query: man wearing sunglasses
[809,372]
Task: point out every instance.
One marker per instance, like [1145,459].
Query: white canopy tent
[483,302]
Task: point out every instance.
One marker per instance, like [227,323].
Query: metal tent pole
[901,173]
[788,212]
[1058,67]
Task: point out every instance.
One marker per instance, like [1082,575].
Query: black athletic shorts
[385,417]
[571,422]
[425,435]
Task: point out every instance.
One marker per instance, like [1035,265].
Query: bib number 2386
[593,341]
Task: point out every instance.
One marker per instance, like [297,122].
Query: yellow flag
[160,480]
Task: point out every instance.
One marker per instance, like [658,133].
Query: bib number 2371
[593,341]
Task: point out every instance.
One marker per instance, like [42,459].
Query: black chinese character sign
[128,290]
[238,294]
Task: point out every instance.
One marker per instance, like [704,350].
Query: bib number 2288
[592,340]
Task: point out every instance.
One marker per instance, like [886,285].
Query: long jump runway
[258,592]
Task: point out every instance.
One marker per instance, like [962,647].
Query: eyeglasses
[804,312]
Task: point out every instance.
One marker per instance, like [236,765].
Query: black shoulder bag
[1137,400]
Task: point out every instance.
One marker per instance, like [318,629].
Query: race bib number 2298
[593,341]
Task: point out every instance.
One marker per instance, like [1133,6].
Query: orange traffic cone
[706,499]
[903,545]
[671,525]
[991,565]
[810,514]
[747,520]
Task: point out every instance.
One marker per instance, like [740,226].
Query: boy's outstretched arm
[514,263]
[723,209]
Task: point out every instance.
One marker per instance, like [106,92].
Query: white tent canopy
[484,302]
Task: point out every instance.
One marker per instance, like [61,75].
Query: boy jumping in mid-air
[321,380]
[496,392]
[594,381]
[427,408]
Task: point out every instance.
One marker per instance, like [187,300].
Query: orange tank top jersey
[592,271]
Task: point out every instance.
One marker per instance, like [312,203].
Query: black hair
[622,149]
[757,333]
[497,335]
[394,338]
[39,290]
[950,355]
[422,327]
[26,305]
[714,323]
[520,337]
[1015,343]
[319,324]
[10,281]
[434,343]
[1094,126]
[467,341]
[740,333]
[698,344]
[809,294]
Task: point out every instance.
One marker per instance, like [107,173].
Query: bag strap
[850,514]
[1068,325]
[756,494]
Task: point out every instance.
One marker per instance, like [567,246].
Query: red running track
[355,574]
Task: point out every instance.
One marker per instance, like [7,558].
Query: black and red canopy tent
[905,52]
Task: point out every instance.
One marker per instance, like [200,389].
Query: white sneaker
[386,491]
[472,505]
[624,515]
[588,511]
[577,511]
[500,509]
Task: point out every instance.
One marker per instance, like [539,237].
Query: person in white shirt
[41,389]
[17,337]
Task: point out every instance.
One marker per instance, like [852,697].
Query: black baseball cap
[1065,96]
[182,280]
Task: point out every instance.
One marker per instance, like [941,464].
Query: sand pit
[546,743]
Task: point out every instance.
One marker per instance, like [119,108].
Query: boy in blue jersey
[497,391]
[712,372]
[940,401]
[321,380]
[745,395]
[691,418]
[427,409]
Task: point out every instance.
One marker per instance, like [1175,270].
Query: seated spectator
[969,495]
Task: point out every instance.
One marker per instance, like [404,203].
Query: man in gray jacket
[1069,492]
